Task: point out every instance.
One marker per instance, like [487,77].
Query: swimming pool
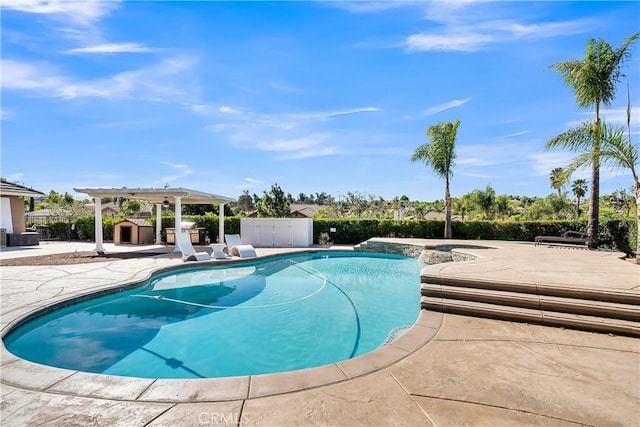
[264,316]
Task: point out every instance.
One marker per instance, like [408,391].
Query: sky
[324,96]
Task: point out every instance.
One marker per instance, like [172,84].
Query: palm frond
[576,139]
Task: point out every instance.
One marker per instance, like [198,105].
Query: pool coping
[21,373]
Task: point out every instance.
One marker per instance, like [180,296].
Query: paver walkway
[472,372]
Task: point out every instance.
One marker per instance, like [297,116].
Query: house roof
[138,222]
[158,195]
[305,209]
[11,189]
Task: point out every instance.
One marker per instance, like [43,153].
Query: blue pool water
[267,316]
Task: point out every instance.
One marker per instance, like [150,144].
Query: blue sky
[329,97]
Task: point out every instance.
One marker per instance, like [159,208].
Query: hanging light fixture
[166,203]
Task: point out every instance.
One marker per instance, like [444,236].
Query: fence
[52,227]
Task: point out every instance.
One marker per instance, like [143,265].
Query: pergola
[158,196]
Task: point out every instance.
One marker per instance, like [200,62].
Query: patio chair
[183,241]
[574,237]
[235,247]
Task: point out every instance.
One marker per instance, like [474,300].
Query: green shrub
[616,234]
[84,227]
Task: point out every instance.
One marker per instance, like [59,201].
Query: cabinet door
[282,234]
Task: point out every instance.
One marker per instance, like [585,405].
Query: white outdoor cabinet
[277,232]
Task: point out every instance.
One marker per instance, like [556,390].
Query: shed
[133,231]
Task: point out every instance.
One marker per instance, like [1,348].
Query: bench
[573,237]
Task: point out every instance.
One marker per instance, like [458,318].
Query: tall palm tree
[558,178]
[485,200]
[440,154]
[579,189]
[593,81]
[615,151]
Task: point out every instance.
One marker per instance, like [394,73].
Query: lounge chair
[574,237]
[235,247]
[183,240]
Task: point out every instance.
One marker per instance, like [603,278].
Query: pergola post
[98,225]
[221,223]
[158,223]
[178,224]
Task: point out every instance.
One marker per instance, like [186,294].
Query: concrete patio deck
[448,370]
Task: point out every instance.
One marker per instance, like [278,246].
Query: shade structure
[159,196]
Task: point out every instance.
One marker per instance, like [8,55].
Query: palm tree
[485,200]
[461,205]
[439,154]
[558,179]
[615,151]
[579,189]
[593,81]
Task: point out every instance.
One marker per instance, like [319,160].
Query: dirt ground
[73,258]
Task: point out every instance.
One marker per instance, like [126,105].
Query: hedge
[615,234]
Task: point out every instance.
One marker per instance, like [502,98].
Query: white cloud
[478,175]
[156,82]
[476,161]
[489,154]
[282,87]
[512,135]
[80,12]
[229,110]
[112,48]
[199,108]
[15,177]
[291,144]
[308,153]
[5,115]
[328,114]
[481,26]
[371,6]
[616,116]
[467,42]
[174,165]
[253,181]
[543,163]
[446,106]
[515,30]
[288,135]
[171,178]
[315,145]
[283,125]
[17,75]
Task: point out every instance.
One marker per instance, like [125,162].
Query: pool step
[539,302]
[588,309]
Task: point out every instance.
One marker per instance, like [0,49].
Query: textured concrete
[471,371]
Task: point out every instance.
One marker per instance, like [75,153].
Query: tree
[554,206]
[485,201]
[274,204]
[461,205]
[356,203]
[245,202]
[439,154]
[558,178]
[615,151]
[53,198]
[503,206]
[593,81]
[579,189]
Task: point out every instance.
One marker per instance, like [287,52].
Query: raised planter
[28,238]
